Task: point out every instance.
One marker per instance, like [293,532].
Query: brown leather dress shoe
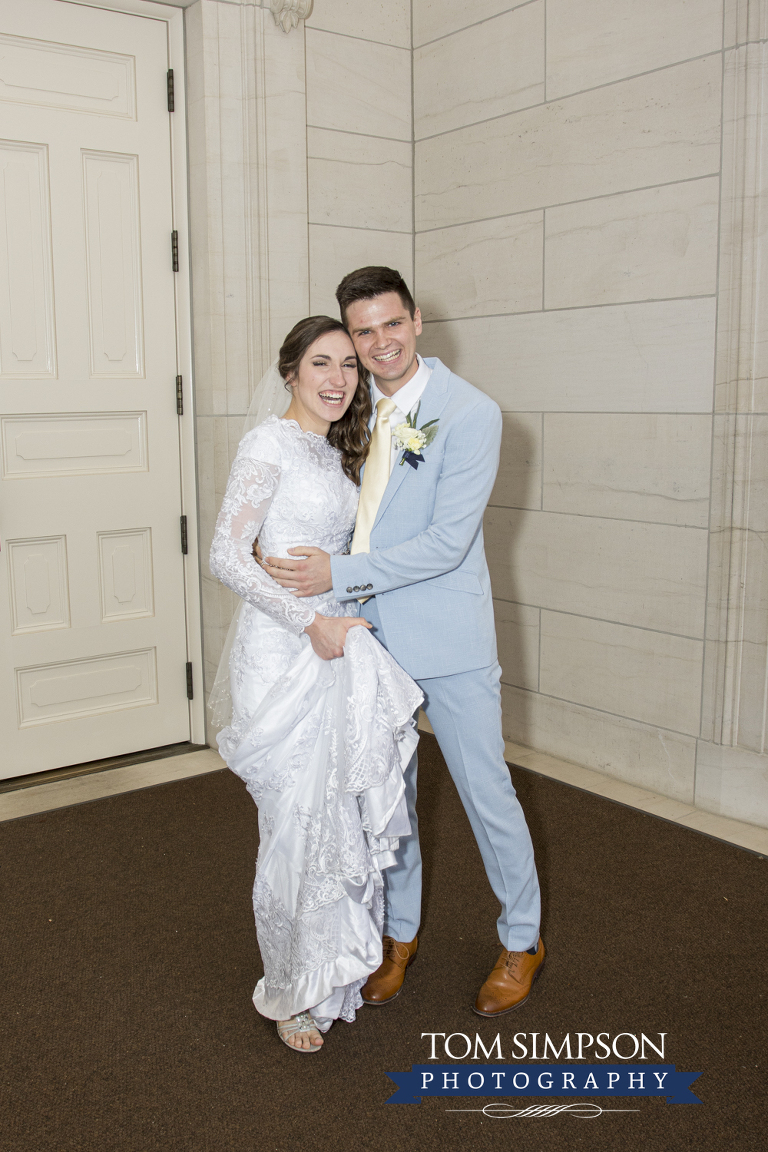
[385,983]
[509,984]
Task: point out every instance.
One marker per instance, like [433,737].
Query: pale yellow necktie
[375,477]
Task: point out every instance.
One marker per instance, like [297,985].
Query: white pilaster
[732,764]
[248,222]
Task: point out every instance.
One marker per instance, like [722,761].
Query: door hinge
[169,79]
[190,692]
[184,548]
[175,250]
[179,396]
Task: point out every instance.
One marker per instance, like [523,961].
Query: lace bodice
[286,487]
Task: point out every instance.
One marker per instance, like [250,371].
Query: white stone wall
[300,170]
[359,142]
[248,222]
[567,205]
[580,184]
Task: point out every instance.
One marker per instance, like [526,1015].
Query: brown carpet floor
[129,959]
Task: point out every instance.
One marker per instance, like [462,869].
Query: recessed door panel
[27,346]
[74,444]
[86,687]
[93,641]
[113,248]
[125,568]
[67,76]
[39,584]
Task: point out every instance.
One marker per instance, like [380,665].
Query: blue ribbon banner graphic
[543,1080]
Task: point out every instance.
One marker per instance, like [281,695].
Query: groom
[418,560]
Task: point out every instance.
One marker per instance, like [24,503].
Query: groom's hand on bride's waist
[307,572]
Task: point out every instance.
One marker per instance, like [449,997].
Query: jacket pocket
[456,581]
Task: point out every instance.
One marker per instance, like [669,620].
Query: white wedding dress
[321,745]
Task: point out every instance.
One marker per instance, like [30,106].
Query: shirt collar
[407,397]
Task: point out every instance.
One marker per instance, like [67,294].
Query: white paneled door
[92,605]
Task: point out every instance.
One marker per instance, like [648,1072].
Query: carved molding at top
[287,13]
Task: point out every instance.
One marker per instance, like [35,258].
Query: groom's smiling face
[384,334]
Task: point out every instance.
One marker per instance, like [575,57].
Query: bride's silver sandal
[303,1022]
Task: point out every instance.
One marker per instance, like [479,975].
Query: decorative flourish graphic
[536,1111]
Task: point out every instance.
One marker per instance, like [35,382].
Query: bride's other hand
[329,634]
[307,575]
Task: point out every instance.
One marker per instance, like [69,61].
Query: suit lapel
[433,400]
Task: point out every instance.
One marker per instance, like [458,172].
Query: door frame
[173,18]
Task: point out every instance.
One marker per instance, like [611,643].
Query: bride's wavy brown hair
[349,434]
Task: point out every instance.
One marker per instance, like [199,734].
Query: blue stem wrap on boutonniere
[413,440]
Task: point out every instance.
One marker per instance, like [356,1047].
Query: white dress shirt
[405,399]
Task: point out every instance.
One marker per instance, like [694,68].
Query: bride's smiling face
[324,384]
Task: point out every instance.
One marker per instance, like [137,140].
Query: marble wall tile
[388,23]
[634,466]
[217,208]
[335,251]
[625,571]
[356,86]
[647,676]
[359,181]
[749,836]
[435,18]
[744,22]
[736,694]
[285,283]
[732,782]
[481,269]
[649,130]
[637,753]
[597,782]
[219,606]
[489,69]
[653,244]
[517,635]
[591,42]
[655,357]
[518,483]
[250,276]
[753,539]
[217,441]
[742,342]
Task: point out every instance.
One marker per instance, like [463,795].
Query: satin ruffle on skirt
[323,756]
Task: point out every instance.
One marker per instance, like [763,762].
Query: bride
[320,715]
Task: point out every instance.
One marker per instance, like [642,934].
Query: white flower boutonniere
[412,439]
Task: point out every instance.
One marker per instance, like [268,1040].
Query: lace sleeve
[251,487]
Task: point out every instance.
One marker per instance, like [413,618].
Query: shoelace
[392,951]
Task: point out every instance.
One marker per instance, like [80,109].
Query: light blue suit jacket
[427,566]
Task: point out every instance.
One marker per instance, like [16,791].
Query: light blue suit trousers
[465,713]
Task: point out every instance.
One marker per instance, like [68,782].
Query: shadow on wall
[517,490]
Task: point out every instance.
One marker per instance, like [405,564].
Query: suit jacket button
[356,588]
[369,587]
[350,589]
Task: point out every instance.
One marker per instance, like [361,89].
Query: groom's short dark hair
[365,283]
